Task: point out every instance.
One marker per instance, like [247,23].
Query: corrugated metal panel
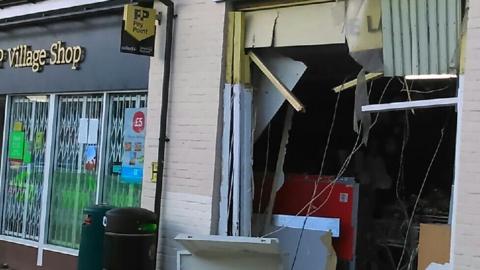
[420,36]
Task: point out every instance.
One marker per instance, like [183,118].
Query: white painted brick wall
[188,203]
[467,228]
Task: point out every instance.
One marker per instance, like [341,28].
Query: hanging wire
[342,170]
[401,166]
[265,171]
[334,117]
[426,92]
[345,165]
[420,195]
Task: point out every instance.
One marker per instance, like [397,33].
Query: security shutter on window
[75,169]
[116,191]
[420,36]
[24,171]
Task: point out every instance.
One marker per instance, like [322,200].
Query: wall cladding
[420,36]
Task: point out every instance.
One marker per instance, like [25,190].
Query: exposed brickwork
[467,228]
[194,110]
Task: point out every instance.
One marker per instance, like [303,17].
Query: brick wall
[466,234]
[189,199]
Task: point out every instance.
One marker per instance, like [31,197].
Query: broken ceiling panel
[364,33]
[267,100]
[225,252]
[325,224]
[315,250]
[317,24]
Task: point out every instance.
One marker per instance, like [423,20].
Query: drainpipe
[164,110]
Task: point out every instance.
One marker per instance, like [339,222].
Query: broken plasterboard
[305,25]
[312,223]
[226,252]
[315,250]
[436,266]
[267,100]
[364,33]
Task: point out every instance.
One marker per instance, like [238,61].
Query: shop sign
[138,33]
[24,56]
[133,145]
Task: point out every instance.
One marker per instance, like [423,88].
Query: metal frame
[51,133]
[62,250]
[226,160]
[4,154]
[25,242]
[237,91]
[406,105]
[102,147]
[456,178]
[435,103]
[47,172]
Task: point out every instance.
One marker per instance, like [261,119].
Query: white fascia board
[43,6]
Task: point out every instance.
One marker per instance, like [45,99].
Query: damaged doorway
[369,185]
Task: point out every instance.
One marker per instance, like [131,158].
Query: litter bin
[91,244]
[130,239]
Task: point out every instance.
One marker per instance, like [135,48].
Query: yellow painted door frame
[237,62]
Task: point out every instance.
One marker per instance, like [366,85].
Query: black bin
[130,239]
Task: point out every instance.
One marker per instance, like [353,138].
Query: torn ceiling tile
[361,120]
[286,93]
[317,24]
[364,33]
[279,176]
[267,100]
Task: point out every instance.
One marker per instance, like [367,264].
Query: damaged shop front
[339,136]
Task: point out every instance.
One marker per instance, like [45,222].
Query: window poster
[27,152]
[133,145]
[16,146]
[90,155]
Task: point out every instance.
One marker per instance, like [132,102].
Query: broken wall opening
[387,178]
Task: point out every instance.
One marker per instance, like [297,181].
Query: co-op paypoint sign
[138,33]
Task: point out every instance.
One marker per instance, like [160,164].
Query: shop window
[97,156]
[24,166]
[125,150]
[75,170]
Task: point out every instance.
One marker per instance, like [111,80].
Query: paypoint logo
[139,21]
[141,14]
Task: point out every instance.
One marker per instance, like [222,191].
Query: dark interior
[375,166]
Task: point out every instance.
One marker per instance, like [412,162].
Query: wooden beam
[230,40]
[407,105]
[289,96]
[240,68]
[353,83]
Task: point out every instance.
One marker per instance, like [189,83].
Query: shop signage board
[24,56]
[138,32]
[133,145]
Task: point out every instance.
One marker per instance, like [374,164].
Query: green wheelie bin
[90,254]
